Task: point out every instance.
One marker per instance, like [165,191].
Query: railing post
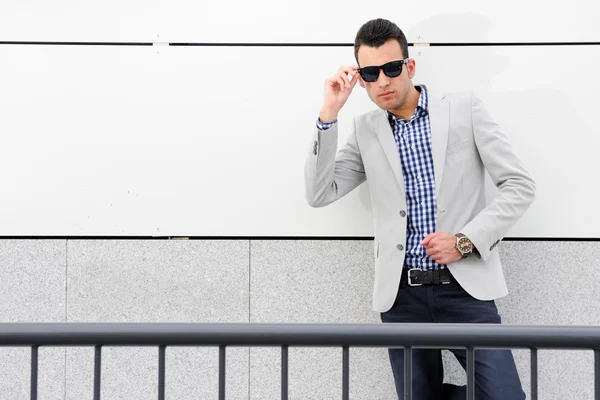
[407,373]
[346,373]
[221,372]
[34,372]
[284,372]
[597,373]
[97,371]
[161,372]
[534,374]
[470,373]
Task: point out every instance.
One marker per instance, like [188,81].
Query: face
[388,93]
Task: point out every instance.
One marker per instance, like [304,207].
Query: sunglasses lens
[392,69]
[369,74]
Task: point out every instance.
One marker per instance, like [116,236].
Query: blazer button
[403,214]
[400,247]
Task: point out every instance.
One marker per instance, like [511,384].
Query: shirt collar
[423,103]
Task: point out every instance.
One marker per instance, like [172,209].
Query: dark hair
[376,32]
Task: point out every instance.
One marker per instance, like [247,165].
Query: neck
[407,109]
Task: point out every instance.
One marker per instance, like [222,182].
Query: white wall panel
[313,21]
[126,141]
[212,141]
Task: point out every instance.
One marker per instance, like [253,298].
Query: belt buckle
[410,280]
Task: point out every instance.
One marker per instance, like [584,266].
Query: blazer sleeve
[516,187]
[329,175]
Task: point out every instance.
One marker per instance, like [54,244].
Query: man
[425,157]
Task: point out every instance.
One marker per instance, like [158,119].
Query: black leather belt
[418,277]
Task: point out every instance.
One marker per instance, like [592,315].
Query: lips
[385,94]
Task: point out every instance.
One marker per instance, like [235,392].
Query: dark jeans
[496,376]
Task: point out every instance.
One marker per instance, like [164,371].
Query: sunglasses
[391,69]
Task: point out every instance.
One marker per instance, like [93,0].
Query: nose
[382,80]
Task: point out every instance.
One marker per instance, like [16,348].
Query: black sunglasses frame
[371,73]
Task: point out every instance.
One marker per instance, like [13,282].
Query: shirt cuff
[323,126]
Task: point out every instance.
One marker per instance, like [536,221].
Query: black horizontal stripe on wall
[283,44]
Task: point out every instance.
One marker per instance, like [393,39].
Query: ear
[411,67]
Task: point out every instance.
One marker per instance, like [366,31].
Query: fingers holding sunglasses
[340,80]
[344,72]
[341,77]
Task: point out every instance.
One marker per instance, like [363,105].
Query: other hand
[441,247]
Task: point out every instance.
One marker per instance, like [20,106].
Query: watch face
[465,245]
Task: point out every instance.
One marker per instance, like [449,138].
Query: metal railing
[407,336]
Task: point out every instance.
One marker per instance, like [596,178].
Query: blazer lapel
[386,138]
[439,117]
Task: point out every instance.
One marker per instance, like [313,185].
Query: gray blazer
[466,142]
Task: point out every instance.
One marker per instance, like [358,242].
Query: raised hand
[337,90]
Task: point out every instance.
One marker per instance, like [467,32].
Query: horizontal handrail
[288,334]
